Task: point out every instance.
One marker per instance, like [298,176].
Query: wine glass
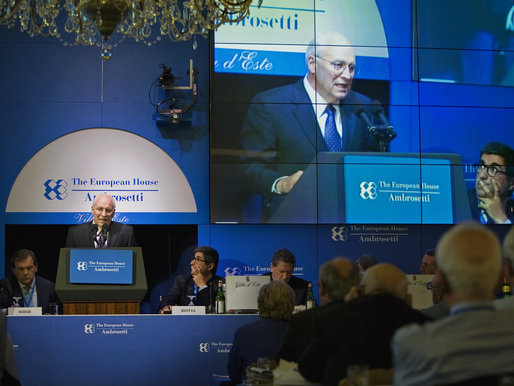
[191,300]
[16,301]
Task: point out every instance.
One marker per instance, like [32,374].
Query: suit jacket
[184,285]
[355,332]
[281,134]
[82,236]
[9,288]
[299,287]
[259,339]
[300,333]
[468,344]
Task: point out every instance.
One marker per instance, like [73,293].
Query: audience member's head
[24,266]
[428,264]
[282,265]
[336,278]
[469,258]
[438,287]
[275,300]
[366,261]
[508,252]
[385,278]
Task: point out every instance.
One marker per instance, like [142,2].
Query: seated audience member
[261,339]
[102,232]
[281,268]
[475,340]
[358,332]
[8,368]
[336,278]
[428,263]
[200,286]
[508,252]
[491,201]
[29,289]
[366,261]
[439,309]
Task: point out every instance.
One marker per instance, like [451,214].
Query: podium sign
[397,190]
[101,266]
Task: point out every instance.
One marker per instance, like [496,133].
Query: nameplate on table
[25,311]
[188,310]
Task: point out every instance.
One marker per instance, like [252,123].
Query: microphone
[378,111]
[361,113]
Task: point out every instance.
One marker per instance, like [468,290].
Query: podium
[100,281]
[384,188]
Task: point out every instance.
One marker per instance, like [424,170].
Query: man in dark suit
[286,127]
[358,332]
[281,268]
[102,231]
[198,288]
[28,289]
[336,278]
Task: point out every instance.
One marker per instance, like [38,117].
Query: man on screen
[287,126]
[102,231]
[494,185]
[198,288]
[24,287]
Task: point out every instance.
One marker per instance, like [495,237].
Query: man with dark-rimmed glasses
[494,185]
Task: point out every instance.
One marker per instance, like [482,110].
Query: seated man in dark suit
[262,338]
[358,332]
[200,287]
[28,289]
[102,231]
[282,267]
[336,278]
[475,340]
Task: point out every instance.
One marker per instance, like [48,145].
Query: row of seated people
[369,321]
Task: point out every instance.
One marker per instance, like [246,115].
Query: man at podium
[102,232]
[287,126]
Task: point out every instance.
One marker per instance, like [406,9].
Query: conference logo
[368,190]
[339,233]
[232,271]
[89,328]
[55,189]
[81,266]
[204,347]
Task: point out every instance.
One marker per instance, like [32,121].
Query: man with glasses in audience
[102,232]
[494,185]
[198,288]
[287,126]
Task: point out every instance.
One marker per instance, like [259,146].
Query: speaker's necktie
[100,241]
[332,137]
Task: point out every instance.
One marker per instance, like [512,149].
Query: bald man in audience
[476,341]
[508,252]
[358,332]
[336,278]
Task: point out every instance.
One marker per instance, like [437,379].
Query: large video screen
[362,111]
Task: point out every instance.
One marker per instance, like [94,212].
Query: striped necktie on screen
[332,137]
